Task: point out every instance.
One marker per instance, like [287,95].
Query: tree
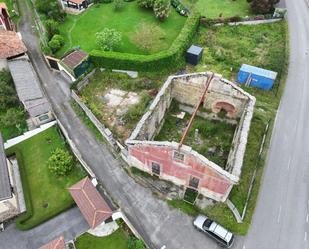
[108,39]
[51,28]
[145,3]
[8,96]
[60,162]
[263,6]
[51,8]
[162,9]
[56,43]
[12,116]
[118,4]
[148,37]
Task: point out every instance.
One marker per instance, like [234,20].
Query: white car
[213,229]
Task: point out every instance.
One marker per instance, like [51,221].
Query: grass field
[225,8]
[118,239]
[81,29]
[226,48]
[48,194]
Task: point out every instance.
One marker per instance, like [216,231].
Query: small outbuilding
[194,54]
[58,243]
[75,63]
[256,77]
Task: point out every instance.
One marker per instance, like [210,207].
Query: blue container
[256,77]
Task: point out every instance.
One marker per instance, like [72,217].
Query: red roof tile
[10,44]
[74,59]
[3,6]
[90,202]
[77,1]
[55,244]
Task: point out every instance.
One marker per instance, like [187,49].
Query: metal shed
[256,77]
[194,54]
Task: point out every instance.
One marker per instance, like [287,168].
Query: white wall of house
[3,64]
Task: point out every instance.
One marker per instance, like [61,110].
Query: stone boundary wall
[105,132]
[84,82]
[252,22]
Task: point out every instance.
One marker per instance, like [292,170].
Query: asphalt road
[281,219]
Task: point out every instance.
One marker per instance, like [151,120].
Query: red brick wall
[210,179]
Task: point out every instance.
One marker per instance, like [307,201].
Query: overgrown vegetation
[12,115]
[212,139]
[60,162]
[226,48]
[45,194]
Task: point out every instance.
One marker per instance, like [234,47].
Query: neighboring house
[75,6]
[90,202]
[29,91]
[11,46]
[55,244]
[5,20]
[180,164]
[11,195]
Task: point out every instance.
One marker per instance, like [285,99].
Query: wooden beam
[209,80]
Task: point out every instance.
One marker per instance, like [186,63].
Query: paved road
[281,220]
[158,223]
[70,224]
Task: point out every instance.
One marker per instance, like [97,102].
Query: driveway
[70,224]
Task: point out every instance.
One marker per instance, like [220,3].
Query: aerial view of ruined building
[195,134]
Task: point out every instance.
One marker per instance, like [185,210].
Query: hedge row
[167,59]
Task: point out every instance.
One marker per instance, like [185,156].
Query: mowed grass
[225,8]
[118,239]
[48,194]
[225,49]
[80,30]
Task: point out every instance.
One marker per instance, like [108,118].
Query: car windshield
[207,223]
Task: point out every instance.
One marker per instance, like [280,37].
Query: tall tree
[263,6]
[162,9]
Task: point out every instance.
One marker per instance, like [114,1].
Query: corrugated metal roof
[28,87]
[5,186]
[259,71]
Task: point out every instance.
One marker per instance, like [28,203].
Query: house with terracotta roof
[11,46]
[90,202]
[55,244]
[5,20]
[75,6]
[11,195]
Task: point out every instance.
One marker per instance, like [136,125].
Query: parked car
[213,229]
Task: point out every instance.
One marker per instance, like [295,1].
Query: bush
[60,162]
[51,27]
[108,39]
[118,4]
[54,45]
[146,3]
[162,9]
[165,60]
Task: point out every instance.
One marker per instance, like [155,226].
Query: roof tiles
[55,244]
[10,44]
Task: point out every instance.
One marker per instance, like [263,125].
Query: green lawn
[215,8]
[118,239]
[45,194]
[226,48]
[81,29]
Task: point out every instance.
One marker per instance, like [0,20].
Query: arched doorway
[225,107]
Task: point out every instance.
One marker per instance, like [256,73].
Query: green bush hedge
[164,60]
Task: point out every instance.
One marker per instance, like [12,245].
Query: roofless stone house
[200,94]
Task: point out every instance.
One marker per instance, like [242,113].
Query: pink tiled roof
[55,244]
[3,6]
[74,59]
[90,202]
[10,44]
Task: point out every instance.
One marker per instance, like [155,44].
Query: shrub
[108,39]
[263,6]
[162,9]
[165,60]
[118,4]
[60,162]
[54,45]
[146,3]
[51,9]
[51,28]
[8,97]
